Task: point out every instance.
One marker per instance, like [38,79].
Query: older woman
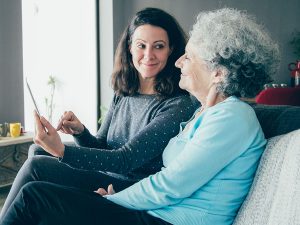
[209,166]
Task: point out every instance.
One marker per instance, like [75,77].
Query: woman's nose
[178,63]
[148,54]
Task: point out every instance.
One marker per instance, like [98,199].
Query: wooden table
[13,153]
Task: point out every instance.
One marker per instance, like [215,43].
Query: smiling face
[150,50]
[196,77]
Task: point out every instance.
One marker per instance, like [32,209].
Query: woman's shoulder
[180,107]
[116,98]
[235,108]
[183,102]
[182,99]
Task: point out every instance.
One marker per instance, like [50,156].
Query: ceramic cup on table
[15,129]
[4,128]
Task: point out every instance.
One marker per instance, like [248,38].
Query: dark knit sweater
[132,137]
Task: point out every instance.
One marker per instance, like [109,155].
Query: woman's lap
[49,203]
[49,169]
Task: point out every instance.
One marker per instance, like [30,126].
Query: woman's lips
[150,64]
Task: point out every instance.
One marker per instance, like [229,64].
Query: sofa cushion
[277,120]
[274,198]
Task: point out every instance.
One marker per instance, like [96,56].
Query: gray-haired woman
[210,165]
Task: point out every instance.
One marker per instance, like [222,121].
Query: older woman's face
[196,77]
[150,50]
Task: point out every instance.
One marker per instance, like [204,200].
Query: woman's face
[150,50]
[196,77]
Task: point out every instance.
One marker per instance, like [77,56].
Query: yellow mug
[15,129]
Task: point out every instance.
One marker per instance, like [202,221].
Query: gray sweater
[132,137]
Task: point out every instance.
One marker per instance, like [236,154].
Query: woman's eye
[142,46]
[186,57]
[159,46]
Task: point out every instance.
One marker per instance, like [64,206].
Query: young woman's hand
[102,191]
[47,137]
[70,124]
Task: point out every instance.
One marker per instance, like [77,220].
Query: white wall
[60,40]
[106,50]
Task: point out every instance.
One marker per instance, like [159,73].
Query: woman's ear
[218,76]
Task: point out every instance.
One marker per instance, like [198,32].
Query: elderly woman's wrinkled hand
[102,191]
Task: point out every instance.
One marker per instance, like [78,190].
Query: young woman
[146,111]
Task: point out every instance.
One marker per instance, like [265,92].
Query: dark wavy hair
[125,80]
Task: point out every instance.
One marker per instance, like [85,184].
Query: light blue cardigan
[207,171]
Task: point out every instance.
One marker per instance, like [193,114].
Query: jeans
[67,189]
[44,203]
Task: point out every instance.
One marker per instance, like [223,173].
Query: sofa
[274,197]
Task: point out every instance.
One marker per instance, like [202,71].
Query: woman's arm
[86,139]
[144,146]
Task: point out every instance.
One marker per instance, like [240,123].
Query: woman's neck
[147,86]
[210,101]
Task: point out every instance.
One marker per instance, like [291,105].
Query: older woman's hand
[102,191]
[47,137]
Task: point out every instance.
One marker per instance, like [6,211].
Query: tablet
[34,102]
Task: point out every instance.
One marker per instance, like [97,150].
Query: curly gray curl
[231,40]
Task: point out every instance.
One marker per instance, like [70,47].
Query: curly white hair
[232,40]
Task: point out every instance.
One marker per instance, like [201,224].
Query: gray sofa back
[276,120]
